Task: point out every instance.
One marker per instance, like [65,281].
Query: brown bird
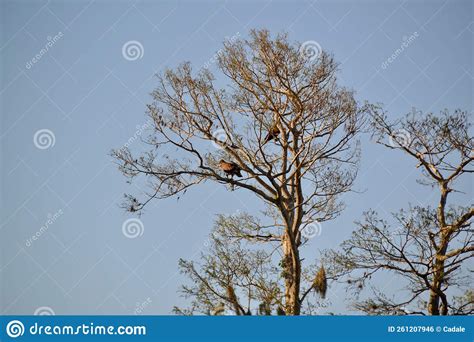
[272,134]
[230,168]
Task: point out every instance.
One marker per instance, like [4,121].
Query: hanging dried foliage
[320,283]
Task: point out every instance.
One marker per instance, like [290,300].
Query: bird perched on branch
[230,168]
[272,134]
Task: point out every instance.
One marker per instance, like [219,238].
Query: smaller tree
[236,276]
[464,304]
[431,246]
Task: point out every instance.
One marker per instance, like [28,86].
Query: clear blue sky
[91,98]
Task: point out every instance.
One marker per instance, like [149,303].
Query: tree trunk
[437,297]
[436,293]
[433,304]
[438,303]
[292,274]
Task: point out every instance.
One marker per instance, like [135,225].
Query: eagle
[272,134]
[230,168]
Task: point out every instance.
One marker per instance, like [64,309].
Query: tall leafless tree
[431,248]
[299,169]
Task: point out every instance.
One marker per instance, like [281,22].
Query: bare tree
[463,304]
[283,123]
[237,274]
[231,277]
[429,248]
